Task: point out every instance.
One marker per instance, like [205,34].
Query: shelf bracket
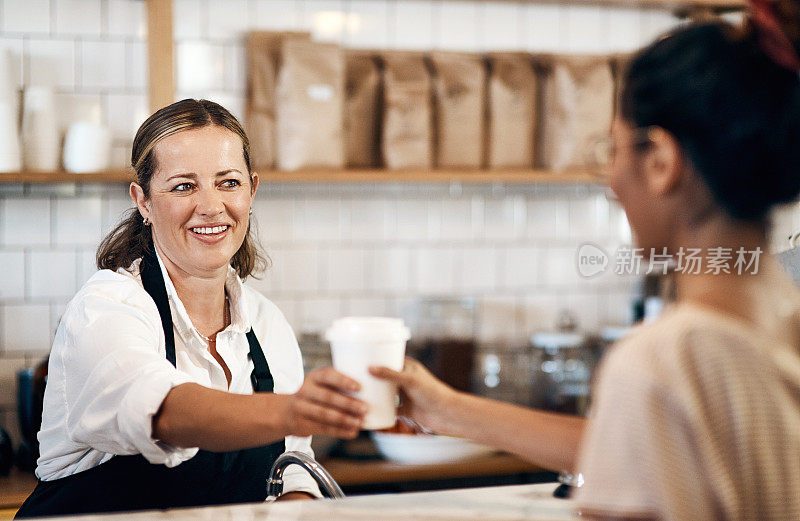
[160,80]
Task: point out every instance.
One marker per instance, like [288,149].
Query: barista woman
[695,416]
[170,383]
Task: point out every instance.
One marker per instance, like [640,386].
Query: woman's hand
[423,398]
[321,406]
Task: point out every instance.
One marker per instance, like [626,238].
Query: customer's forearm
[195,416]
[547,439]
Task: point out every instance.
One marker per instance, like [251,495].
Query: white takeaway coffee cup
[360,342]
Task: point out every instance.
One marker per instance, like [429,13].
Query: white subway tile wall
[365,307]
[136,71]
[279,15]
[25,329]
[625,29]
[434,271]
[326,19]
[316,313]
[103,65]
[14,47]
[415,25]
[25,222]
[78,18]
[200,66]
[478,270]
[227,19]
[77,221]
[503,26]
[125,18]
[459,25]
[12,276]
[50,63]
[369,219]
[390,271]
[26,17]
[366,24]
[343,270]
[335,249]
[583,30]
[51,274]
[124,114]
[546,28]
[190,18]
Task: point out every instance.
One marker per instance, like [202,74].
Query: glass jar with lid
[443,338]
[561,372]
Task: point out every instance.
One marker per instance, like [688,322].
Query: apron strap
[153,282]
[261,377]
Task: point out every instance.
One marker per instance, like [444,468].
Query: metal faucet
[326,483]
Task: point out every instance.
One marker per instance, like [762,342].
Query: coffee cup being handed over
[360,342]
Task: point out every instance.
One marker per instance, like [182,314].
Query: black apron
[126,483]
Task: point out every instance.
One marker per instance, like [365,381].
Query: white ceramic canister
[41,148]
[360,342]
[8,85]
[87,147]
[10,157]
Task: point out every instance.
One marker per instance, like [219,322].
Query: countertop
[507,503]
[16,487]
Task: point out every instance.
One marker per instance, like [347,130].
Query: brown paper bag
[263,63]
[619,68]
[511,111]
[362,110]
[459,86]
[406,137]
[576,109]
[310,115]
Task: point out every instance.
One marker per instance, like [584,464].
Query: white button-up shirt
[108,372]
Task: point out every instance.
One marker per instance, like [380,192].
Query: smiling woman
[197,124]
[170,382]
[198,206]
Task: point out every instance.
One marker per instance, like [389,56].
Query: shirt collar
[240,318]
[240,322]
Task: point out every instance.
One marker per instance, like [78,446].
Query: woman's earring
[146,221]
[251,211]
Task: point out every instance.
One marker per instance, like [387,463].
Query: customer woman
[696,416]
[170,383]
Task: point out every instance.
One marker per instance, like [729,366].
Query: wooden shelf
[122,175]
[522,176]
[673,5]
[349,472]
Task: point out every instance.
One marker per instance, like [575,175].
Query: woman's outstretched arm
[547,439]
[195,416]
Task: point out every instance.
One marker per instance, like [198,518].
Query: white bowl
[425,448]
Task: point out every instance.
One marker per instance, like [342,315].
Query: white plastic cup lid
[368,329]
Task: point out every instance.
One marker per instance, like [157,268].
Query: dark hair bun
[735,112]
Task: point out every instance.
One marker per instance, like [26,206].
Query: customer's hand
[321,406]
[423,398]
